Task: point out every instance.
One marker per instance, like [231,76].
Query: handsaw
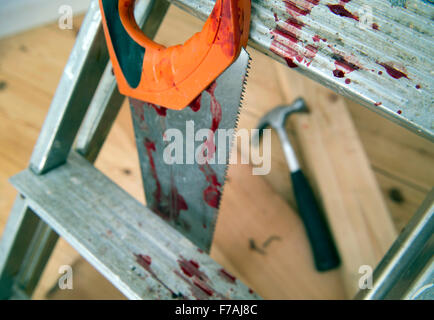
[182,98]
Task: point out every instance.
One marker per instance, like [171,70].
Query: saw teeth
[231,143]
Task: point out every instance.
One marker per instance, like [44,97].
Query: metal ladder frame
[83,110]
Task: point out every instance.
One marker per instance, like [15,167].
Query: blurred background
[20,15]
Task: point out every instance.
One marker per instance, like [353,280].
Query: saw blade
[184,156]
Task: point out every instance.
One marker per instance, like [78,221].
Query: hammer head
[276,118]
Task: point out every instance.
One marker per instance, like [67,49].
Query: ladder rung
[139,253]
[371,37]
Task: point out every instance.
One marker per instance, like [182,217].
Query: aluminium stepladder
[54,172]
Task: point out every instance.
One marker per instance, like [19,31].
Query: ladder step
[134,249]
[383,48]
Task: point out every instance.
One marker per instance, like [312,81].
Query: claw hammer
[321,241]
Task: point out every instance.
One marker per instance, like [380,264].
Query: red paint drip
[347,81]
[377,104]
[394,73]
[275,17]
[203,286]
[344,64]
[380,72]
[212,193]
[311,51]
[291,7]
[340,10]
[196,103]
[161,111]
[167,206]
[194,264]
[227,276]
[316,38]
[399,112]
[150,147]
[191,269]
[199,288]
[291,63]
[286,34]
[291,21]
[216,108]
[286,43]
[418,86]
[375,26]
[338,73]
[177,201]
[144,261]
[138,108]
[295,10]
[343,61]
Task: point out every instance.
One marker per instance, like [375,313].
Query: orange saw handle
[173,77]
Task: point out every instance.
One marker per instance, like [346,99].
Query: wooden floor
[30,67]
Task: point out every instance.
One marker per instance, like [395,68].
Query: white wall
[20,15]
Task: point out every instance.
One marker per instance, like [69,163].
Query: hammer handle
[324,250]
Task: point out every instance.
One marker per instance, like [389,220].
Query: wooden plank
[282,265]
[395,150]
[402,199]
